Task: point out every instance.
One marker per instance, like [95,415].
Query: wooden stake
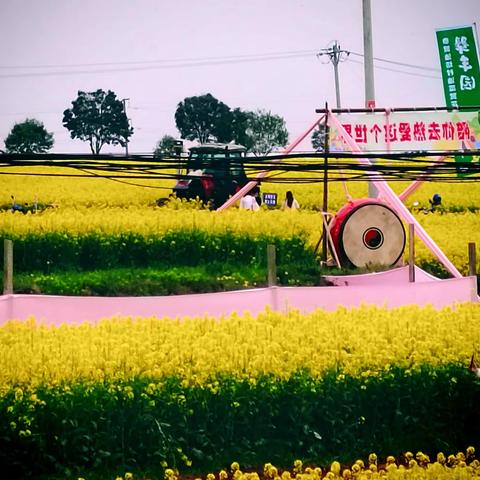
[411,252]
[271,265]
[7,267]
[472,259]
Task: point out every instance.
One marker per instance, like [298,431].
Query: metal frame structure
[386,192]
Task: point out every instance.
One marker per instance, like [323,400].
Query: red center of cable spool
[373,238]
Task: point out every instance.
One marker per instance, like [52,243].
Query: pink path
[390,289]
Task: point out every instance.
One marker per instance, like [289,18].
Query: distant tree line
[207,119]
[100,119]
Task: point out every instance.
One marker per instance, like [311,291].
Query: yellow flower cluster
[93,191]
[452,233]
[102,205]
[96,191]
[462,466]
[304,223]
[360,341]
[152,221]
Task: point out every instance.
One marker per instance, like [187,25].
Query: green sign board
[460,69]
[461,74]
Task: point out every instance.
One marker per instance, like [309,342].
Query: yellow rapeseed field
[30,183]
[59,190]
[102,205]
[452,232]
[360,341]
[367,342]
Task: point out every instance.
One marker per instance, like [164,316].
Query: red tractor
[214,172]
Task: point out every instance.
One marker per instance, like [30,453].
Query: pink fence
[390,289]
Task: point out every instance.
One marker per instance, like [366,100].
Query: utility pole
[124,100]
[336,55]
[368,70]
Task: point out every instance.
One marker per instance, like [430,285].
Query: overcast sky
[157,52]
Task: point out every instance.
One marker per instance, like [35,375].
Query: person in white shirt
[248,202]
[290,203]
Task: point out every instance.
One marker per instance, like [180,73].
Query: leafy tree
[266,132]
[29,136]
[318,138]
[166,146]
[240,123]
[204,118]
[99,118]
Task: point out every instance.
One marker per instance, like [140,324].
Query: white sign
[409,131]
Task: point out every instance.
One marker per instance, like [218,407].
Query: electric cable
[413,74]
[391,166]
[403,64]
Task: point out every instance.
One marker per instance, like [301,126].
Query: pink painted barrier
[398,275]
[439,294]
[389,289]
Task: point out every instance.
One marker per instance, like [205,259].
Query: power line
[169,64]
[398,71]
[202,59]
[6,114]
[410,65]
[151,62]
[342,165]
[173,66]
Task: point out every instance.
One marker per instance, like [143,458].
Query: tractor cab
[214,172]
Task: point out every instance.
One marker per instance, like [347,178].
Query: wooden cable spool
[368,232]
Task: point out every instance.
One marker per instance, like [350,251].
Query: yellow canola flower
[171,474]
[297,466]
[75,191]
[306,224]
[152,221]
[270,471]
[335,468]
[346,474]
[362,341]
[86,205]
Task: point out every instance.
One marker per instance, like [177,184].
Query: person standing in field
[290,203]
[249,202]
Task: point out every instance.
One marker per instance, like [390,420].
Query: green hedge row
[214,277]
[99,264]
[133,426]
[49,252]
